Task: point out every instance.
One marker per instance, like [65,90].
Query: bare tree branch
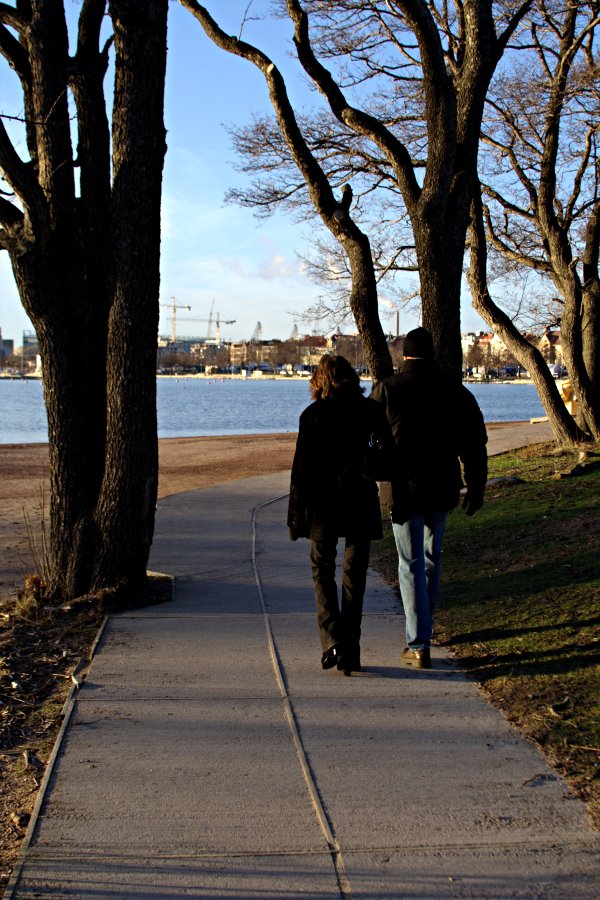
[20,177]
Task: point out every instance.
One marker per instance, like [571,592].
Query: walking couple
[435,425]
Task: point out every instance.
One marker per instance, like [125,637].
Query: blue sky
[213,253]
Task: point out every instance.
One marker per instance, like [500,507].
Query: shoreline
[245,437]
[185,464]
[271,376]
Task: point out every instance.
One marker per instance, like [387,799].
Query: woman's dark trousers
[339,625]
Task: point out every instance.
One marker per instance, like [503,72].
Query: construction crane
[210,320]
[256,334]
[173,306]
[218,325]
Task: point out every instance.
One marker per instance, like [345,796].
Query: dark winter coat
[329,494]
[437,424]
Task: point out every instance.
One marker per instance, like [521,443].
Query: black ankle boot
[349,660]
[330,657]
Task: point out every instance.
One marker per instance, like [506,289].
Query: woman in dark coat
[330,497]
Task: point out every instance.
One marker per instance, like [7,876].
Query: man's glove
[472,502]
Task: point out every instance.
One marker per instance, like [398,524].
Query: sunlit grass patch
[520,602]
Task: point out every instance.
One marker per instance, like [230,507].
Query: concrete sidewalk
[208,755]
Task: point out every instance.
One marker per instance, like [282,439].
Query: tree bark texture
[580,322]
[364,305]
[139,145]
[86,265]
[440,256]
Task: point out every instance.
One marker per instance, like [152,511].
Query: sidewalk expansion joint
[322,817]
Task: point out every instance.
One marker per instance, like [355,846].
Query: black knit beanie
[419,343]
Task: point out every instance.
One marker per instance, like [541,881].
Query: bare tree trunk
[440,269]
[580,324]
[590,313]
[363,303]
[335,216]
[86,266]
[125,512]
[572,341]
[566,430]
[556,239]
[74,392]
[66,307]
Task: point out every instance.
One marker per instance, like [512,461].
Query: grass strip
[520,603]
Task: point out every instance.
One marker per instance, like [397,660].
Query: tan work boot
[418,659]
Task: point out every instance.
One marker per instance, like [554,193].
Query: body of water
[190,407]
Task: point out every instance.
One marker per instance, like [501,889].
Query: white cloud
[278,266]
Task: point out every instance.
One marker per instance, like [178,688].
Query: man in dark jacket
[436,424]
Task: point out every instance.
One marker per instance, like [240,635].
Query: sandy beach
[184,464]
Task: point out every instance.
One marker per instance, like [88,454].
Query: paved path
[207,754]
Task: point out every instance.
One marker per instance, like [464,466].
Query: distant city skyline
[212,253]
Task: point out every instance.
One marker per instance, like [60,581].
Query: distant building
[30,343]
[550,346]
[470,340]
[484,353]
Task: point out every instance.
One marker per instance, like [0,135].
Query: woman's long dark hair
[334,374]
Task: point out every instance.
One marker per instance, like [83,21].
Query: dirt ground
[184,464]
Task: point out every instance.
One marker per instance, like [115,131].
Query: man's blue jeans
[419,545]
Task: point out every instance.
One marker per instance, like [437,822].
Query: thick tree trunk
[440,272]
[590,331]
[125,513]
[590,313]
[73,365]
[87,269]
[66,307]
